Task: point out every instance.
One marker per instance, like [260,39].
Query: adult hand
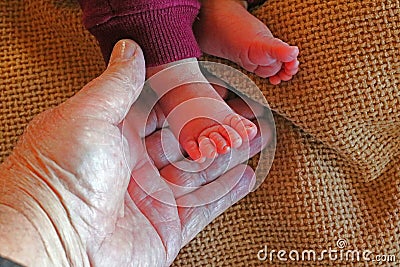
[77,192]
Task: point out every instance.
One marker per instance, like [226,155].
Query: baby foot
[196,113]
[226,29]
[203,123]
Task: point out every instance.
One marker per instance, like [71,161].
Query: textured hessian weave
[336,173]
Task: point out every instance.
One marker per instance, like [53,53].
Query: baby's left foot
[203,123]
[197,114]
[226,29]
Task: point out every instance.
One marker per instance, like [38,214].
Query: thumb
[110,96]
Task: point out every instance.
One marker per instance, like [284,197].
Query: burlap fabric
[336,172]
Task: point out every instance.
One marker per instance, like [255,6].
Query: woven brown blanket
[335,181]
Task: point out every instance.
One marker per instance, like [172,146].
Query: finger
[155,200]
[144,117]
[159,115]
[199,208]
[110,96]
[163,148]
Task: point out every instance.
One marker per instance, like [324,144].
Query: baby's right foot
[226,29]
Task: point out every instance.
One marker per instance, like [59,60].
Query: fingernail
[123,50]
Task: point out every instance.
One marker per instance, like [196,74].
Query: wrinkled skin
[103,191]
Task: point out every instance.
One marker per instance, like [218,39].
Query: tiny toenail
[295,52]
[201,138]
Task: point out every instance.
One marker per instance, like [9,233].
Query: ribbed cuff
[165,35]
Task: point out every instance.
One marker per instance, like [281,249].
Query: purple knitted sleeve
[162,28]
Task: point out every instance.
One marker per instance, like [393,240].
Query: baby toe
[292,67]
[268,71]
[220,143]
[284,76]
[233,138]
[245,128]
[257,54]
[207,147]
[275,80]
[192,149]
[293,53]
[251,130]
[280,50]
